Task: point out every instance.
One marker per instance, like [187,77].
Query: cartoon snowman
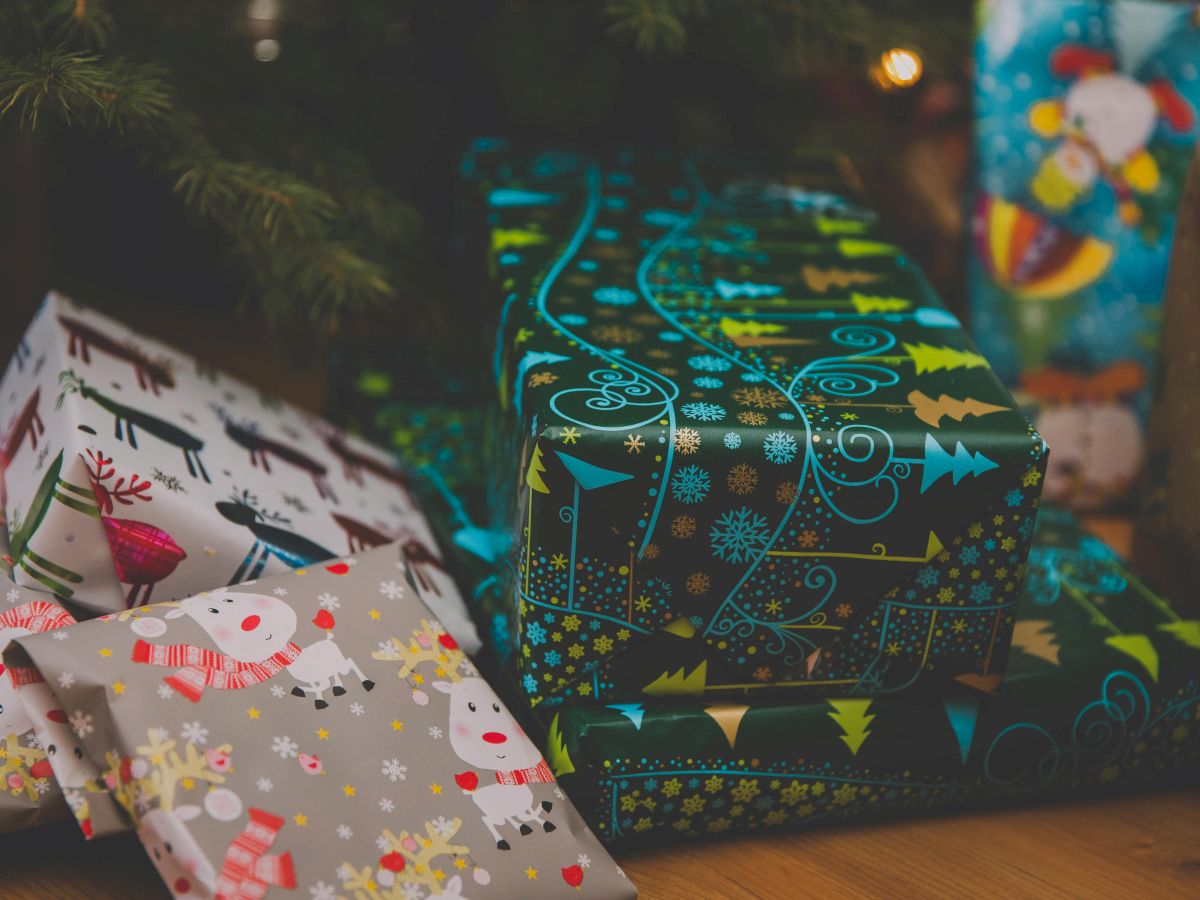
[1106,122]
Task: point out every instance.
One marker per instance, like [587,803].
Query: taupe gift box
[320,733]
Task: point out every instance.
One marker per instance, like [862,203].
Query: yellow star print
[531,873]
[397,725]
[322,734]
[374,614]
[105,652]
[253,713]
[436,788]
[300,819]
[349,790]
[118,687]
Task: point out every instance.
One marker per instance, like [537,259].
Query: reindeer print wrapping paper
[134,472]
[746,449]
[1086,114]
[316,734]
[1101,694]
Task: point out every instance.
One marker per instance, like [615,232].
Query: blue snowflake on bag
[737,534]
[733,440]
[704,412]
[779,447]
[708,382]
[614,296]
[708,363]
[690,484]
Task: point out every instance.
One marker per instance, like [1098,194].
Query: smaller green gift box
[1102,692]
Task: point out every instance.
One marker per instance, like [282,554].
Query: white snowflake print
[584,860]
[13,595]
[266,785]
[344,832]
[60,634]
[412,891]
[442,826]
[382,843]
[161,735]
[194,733]
[386,805]
[166,691]
[66,679]
[41,785]
[75,799]
[329,601]
[435,732]
[393,590]
[357,708]
[323,891]
[81,723]
[278,690]
[280,592]
[559,794]
[285,747]
[394,771]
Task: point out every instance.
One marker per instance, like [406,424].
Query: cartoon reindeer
[270,539]
[82,337]
[28,422]
[360,535]
[485,735]
[262,448]
[126,418]
[354,463]
[253,633]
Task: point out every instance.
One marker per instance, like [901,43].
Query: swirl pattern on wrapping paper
[615,391]
[1103,732]
[781,639]
[857,447]
[846,376]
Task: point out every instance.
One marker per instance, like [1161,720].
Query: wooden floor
[1144,846]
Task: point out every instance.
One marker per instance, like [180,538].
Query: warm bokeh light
[897,68]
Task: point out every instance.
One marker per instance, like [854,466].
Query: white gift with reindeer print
[315,734]
[133,472]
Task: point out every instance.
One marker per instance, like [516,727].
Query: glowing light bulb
[266,50]
[898,68]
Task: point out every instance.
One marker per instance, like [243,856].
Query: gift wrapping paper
[320,734]
[744,446]
[1085,121]
[133,471]
[1101,693]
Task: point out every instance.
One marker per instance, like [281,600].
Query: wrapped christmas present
[133,471]
[1086,114]
[317,732]
[1101,693]
[744,446]
[29,794]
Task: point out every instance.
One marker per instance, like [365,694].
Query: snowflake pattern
[690,484]
[687,441]
[742,479]
[706,363]
[738,534]
[779,447]
[704,412]
[394,771]
[81,723]
[393,590]
[285,747]
[194,733]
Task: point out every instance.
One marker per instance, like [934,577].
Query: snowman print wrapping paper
[320,735]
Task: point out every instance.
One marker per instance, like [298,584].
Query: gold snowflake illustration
[538,379]
[634,444]
[687,441]
[742,479]
[759,398]
[683,527]
[569,435]
[752,418]
[786,492]
[698,583]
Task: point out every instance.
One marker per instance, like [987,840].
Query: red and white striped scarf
[539,774]
[202,668]
[38,616]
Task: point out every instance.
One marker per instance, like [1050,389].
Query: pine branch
[652,24]
[61,87]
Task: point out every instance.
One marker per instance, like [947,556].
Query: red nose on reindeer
[41,769]
[182,885]
[468,781]
[250,623]
[494,737]
[57,716]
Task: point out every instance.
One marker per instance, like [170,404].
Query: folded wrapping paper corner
[133,471]
[1102,693]
[747,448]
[316,731]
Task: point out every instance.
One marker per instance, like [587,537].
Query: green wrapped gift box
[1101,692]
[743,444]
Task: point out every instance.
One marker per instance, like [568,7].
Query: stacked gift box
[770,513]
